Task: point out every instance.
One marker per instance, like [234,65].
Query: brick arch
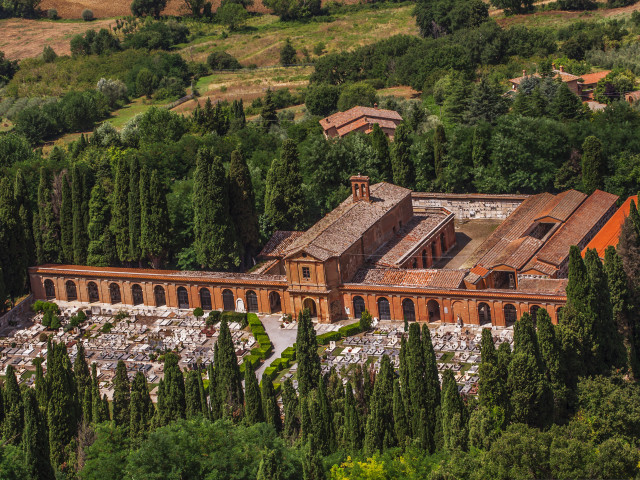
[459,308]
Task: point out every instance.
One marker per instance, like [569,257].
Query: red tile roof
[541,286]
[358,117]
[609,235]
[278,243]
[410,277]
[593,78]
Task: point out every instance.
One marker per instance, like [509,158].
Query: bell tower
[360,188]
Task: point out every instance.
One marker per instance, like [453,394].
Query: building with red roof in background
[609,234]
[360,119]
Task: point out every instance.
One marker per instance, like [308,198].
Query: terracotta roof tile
[357,117]
[410,277]
[549,286]
[609,235]
[563,205]
[278,243]
[593,78]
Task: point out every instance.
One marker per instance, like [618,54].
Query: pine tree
[48,231]
[13,256]
[120,210]
[215,243]
[454,415]
[353,434]
[141,408]
[229,395]
[253,407]
[214,406]
[100,249]
[270,408]
[593,164]
[34,439]
[399,416]
[66,222]
[439,149]
[382,159]
[80,244]
[402,166]
[192,395]
[379,432]
[21,195]
[268,113]
[96,401]
[554,363]
[290,404]
[238,120]
[270,467]
[13,409]
[486,103]
[284,199]
[42,392]
[154,220]
[566,105]
[83,380]
[174,390]
[121,396]
[307,354]
[133,202]
[241,205]
[481,138]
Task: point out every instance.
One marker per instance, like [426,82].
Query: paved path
[280,338]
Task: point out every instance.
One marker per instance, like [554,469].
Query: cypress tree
[21,195]
[306,427]
[100,249]
[379,432]
[270,467]
[141,408]
[290,404]
[241,205]
[96,402]
[431,376]
[174,390]
[307,354]
[324,433]
[382,158]
[253,405]
[42,392]
[270,408]
[34,439]
[481,138]
[492,385]
[80,244]
[439,149]
[66,222]
[121,396]
[268,113]
[215,242]
[284,199]
[83,380]
[413,375]
[133,203]
[13,256]
[353,434]
[399,416]
[566,105]
[229,395]
[312,467]
[154,220]
[552,356]
[105,408]
[48,232]
[192,395]
[402,166]
[214,405]
[204,406]
[238,119]
[593,164]
[13,409]
[454,415]
[159,418]
[120,211]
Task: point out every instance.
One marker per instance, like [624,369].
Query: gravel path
[280,338]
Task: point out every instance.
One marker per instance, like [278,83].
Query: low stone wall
[468,205]
[18,310]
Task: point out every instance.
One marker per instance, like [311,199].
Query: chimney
[375,105]
[562,68]
[524,73]
[360,188]
[553,66]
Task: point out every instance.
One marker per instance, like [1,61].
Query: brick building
[360,119]
[381,250]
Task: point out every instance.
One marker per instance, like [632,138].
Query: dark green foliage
[402,166]
[133,202]
[512,7]
[120,210]
[439,149]
[253,410]
[284,201]
[593,164]
[174,403]
[229,395]
[242,204]
[192,394]
[486,103]
[222,61]
[268,114]
[356,95]
[454,414]
[554,363]
[8,68]
[66,222]
[140,8]
[79,194]
[83,381]
[101,249]
[381,167]
[34,438]
[13,254]
[293,9]
[215,243]
[47,234]
[98,413]
[290,404]
[154,218]
[440,17]
[399,416]
[121,396]
[157,35]
[379,431]
[13,409]
[25,212]
[307,354]
[287,53]
[322,99]
[270,408]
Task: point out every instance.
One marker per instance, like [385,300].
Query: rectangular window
[306,273]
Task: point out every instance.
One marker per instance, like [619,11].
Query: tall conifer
[13,409]
[141,408]
[34,439]
[284,198]
[229,395]
[242,205]
[13,255]
[154,221]
[252,396]
[100,250]
[379,432]
[399,416]
[133,203]
[80,237]
[403,171]
[380,145]
[121,396]
[290,404]
[174,406]
[21,195]
[49,230]
[593,164]
[307,354]
[454,415]
[192,394]
[83,380]
[120,210]
[270,408]
[66,221]
[353,433]
[554,363]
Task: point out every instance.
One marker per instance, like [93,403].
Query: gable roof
[348,222]
[593,78]
[278,243]
[358,117]
[425,278]
[609,235]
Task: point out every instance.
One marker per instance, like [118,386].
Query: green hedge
[238,317]
[351,329]
[271,372]
[325,338]
[257,330]
[289,353]
[253,359]
[263,351]
[280,363]
[263,339]
[253,319]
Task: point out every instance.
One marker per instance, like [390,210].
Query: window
[384,310]
[183,298]
[49,289]
[92,289]
[72,293]
[252,302]
[205,299]
[136,293]
[158,293]
[114,293]
[306,273]
[358,306]
[228,302]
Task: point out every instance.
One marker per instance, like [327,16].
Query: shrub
[222,61]
[253,359]
[232,15]
[287,53]
[271,373]
[158,35]
[87,15]
[253,319]
[48,54]
[258,330]
[237,317]
[365,321]
[263,339]
[42,337]
[351,329]
[263,351]
[358,94]
[198,312]
[213,317]
[289,353]
[322,99]
[280,363]
[113,90]
[52,14]
[106,328]
[325,338]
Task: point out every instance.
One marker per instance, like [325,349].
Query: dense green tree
[154,220]
[97,411]
[253,408]
[66,222]
[307,354]
[34,438]
[121,396]
[486,103]
[141,408]
[270,408]
[401,163]
[287,53]
[120,209]
[454,414]
[230,395]
[359,94]
[399,417]
[284,199]
[294,9]
[381,158]
[83,380]
[41,387]
[140,8]
[242,205]
[214,404]
[133,203]
[192,394]
[79,185]
[47,235]
[593,164]
[353,433]
[322,99]
[268,114]
[512,7]
[566,105]
[290,403]
[13,409]
[554,363]
[174,403]
[101,249]
[439,149]
[13,255]
[21,195]
[215,243]
[379,432]
[322,420]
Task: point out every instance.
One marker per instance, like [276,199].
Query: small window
[306,273]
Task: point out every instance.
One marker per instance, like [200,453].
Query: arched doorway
[252,302]
[510,314]
[183,298]
[424,258]
[384,310]
[49,289]
[136,294]
[72,292]
[205,299]
[533,311]
[408,310]
[92,290]
[228,302]
[433,308]
[484,313]
[275,304]
[240,305]
[358,306]
[158,293]
[310,304]
[114,293]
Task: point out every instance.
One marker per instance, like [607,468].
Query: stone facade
[469,205]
